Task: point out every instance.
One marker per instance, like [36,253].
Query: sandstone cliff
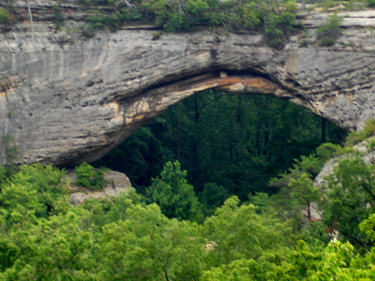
[66,99]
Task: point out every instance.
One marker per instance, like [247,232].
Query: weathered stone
[65,99]
[117,183]
[367,156]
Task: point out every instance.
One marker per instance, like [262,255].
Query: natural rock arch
[66,103]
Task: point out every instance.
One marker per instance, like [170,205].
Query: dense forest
[223,183]
[232,143]
[173,230]
[168,234]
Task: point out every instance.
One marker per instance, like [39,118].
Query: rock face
[118,182]
[64,99]
[367,155]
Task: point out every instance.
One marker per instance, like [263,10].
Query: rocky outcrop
[360,150]
[117,183]
[66,99]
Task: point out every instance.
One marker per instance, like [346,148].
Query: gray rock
[65,99]
[118,182]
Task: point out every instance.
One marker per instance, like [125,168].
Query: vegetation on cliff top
[276,19]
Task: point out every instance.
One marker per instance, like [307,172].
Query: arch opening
[138,109]
[228,139]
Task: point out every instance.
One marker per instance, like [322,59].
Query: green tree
[296,186]
[36,190]
[268,267]
[149,246]
[213,196]
[350,197]
[174,195]
[90,177]
[238,232]
[303,190]
[51,249]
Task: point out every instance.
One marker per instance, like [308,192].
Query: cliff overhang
[67,99]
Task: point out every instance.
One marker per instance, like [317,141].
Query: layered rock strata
[65,99]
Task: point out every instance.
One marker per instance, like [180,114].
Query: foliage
[309,166]
[237,142]
[354,5]
[42,237]
[291,6]
[238,232]
[325,4]
[34,192]
[302,189]
[336,262]
[271,17]
[58,17]
[368,227]
[370,3]
[360,135]
[5,17]
[278,27]
[329,32]
[327,151]
[297,192]
[156,35]
[267,268]
[173,194]
[11,155]
[213,196]
[350,197]
[116,240]
[146,146]
[90,177]
[148,246]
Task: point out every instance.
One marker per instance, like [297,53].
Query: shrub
[277,28]
[367,131]
[58,17]
[88,32]
[330,31]
[274,18]
[291,7]
[156,35]
[328,150]
[370,3]
[90,177]
[304,40]
[326,4]
[5,17]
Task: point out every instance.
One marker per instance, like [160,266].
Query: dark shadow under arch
[210,133]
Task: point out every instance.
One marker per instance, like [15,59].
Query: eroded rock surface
[65,99]
[117,183]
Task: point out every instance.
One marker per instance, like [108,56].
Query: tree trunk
[308,211]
